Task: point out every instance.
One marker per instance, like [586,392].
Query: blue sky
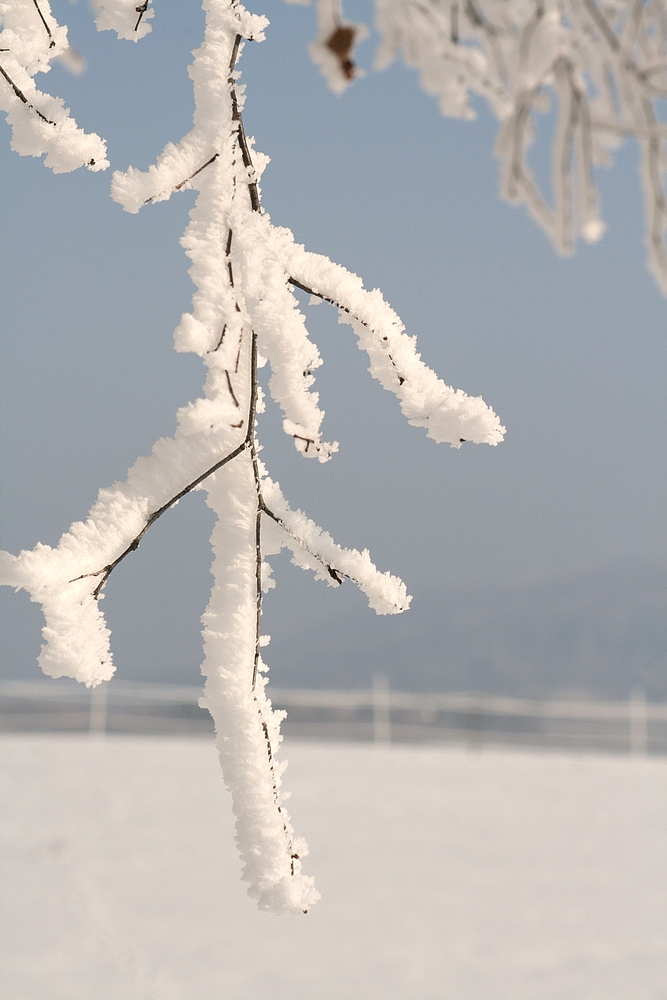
[570,352]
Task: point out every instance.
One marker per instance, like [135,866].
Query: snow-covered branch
[128,18]
[30,39]
[312,548]
[244,314]
[449,415]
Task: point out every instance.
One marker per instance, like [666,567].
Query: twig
[258,513]
[632,131]
[602,25]
[48,30]
[527,37]
[141,10]
[325,298]
[228,252]
[21,96]
[222,337]
[258,588]
[231,391]
[335,574]
[106,571]
[236,116]
[182,183]
[309,441]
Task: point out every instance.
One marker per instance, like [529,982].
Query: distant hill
[598,634]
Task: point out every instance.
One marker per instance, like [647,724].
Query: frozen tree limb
[449,415]
[244,313]
[128,18]
[30,39]
[315,549]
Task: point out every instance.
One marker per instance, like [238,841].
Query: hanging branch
[243,311]
[325,298]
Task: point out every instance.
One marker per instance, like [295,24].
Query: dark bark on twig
[248,442]
[21,96]
[197,171]
[182,183]
[325,298]
[258,514]
[335,574]
[236,116]
[141,10]
[43,20]
[258,588]
[240,131]
[106,571]
[231,390]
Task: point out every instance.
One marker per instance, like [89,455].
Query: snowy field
[445,874]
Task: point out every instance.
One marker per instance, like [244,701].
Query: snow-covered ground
[445,874]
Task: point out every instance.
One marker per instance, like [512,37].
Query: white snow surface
[446,873]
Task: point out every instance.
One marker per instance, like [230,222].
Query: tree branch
[21,96]
[325,298]
[335,574]
[141,10]
[177,187]
[258,589]
[43,20]
[236,116]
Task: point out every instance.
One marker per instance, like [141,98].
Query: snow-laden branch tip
[41,125]
[449,415]
[130,19]
[244,314]
[314,549]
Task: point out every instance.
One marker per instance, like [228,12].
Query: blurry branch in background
[602,65]
[332,49]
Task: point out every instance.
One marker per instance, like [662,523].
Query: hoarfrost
[244,312]
[41,125]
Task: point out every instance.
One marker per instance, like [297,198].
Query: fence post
[381,709]
[638,722]
[474,722]
[97,724]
